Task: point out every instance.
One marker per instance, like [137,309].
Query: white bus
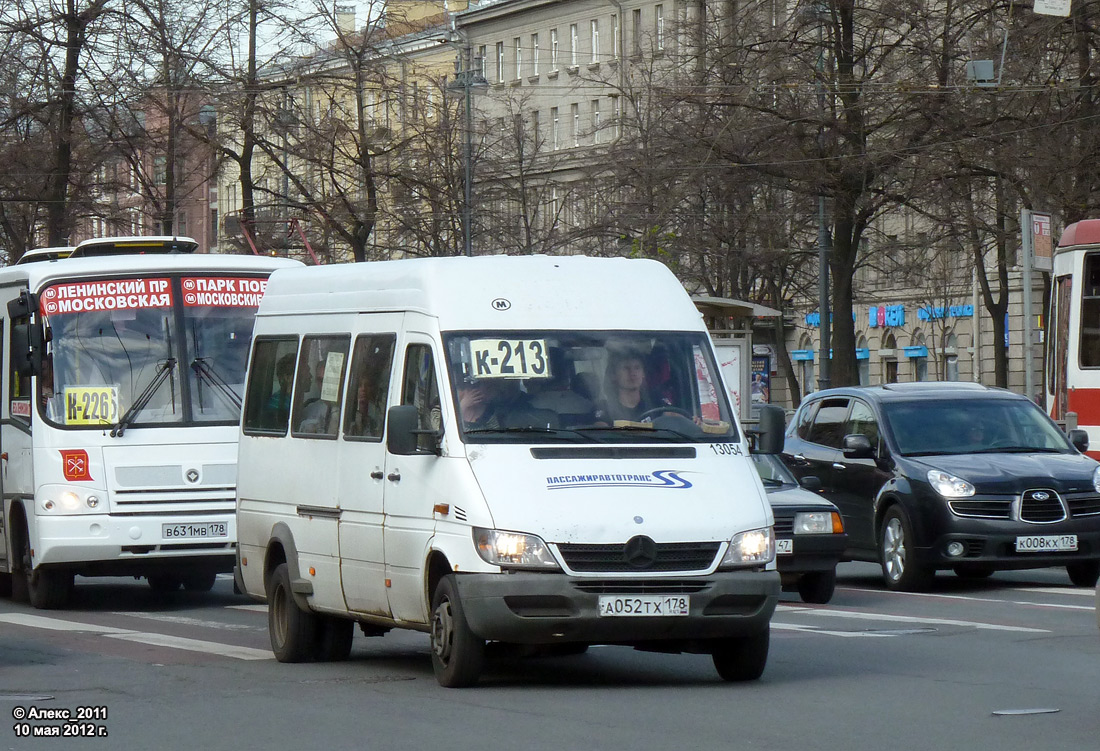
[122,381]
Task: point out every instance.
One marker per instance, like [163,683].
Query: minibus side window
[319,386]
[368,387]
[267,401]
[421,390]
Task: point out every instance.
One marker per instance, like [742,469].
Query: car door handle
[377,474]
[838,465]
[394,476]
[799,458]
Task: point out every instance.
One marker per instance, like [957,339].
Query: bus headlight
[756,547]
[67,501]
[512,549]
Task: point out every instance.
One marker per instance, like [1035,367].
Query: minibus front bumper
[536,608]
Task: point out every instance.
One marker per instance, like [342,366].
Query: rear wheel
[457,653]
[1084,574]
[899,569]
[743,658]
[334,637]
[201,582]
[817,586]
[164,582]
[293,631]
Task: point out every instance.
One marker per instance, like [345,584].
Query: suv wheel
[899,569]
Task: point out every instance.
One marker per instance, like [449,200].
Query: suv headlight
[949,486]
[756,547]
[512,549]
[1096,479]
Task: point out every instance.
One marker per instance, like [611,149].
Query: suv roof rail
[934,385]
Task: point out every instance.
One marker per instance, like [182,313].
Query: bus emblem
[192,476]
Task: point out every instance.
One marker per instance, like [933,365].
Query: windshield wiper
[163,371]
[205,371]
[1017,450]
[530,429]
[648,430]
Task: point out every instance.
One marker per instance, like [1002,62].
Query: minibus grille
[666,556]
[641,586]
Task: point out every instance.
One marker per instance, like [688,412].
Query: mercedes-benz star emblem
[640,552]
[192,476]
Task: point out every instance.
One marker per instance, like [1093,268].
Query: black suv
[960,476]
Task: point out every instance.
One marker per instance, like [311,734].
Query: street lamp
[468,77]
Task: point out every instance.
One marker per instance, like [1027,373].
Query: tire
[895,545]
[743,658]
[164,582]
[334,637]
[5,585]
[201,582]
[976,571]
[817,587]
[1084,573]
[293,631]
[458,655]
[43,588]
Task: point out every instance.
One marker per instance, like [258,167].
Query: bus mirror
[769,439]
[402,422]
[22,306]
[26,349]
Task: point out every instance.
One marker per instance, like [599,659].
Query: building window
[615,51]
[659,25]
[575,109]
[595,41]
[553,49]
[519,56]
[573,44]
[535,131]
[595,121]
[500,62]
[479,61]
[554,130]
[636,30]
[534,54]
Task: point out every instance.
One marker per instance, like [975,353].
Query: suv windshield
[972,426]
[587,386]
[154,351]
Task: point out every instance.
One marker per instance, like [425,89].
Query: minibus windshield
[142,350]
[587,386]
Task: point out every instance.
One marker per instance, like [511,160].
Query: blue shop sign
[929,313]
[802,354]
[915,351]
[885,315]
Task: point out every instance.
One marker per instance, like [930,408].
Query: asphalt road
[870,670]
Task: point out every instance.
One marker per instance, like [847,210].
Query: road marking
[814,630]
[184,620]
[196,645]
[970,598]
[56,624]
[252,608]
[909,619]
[159,640]
[1079,591]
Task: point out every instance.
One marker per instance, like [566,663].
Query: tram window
[1090,313]
[1092,276]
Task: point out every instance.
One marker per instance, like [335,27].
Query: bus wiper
[205,371]
[163,371]
[531,429]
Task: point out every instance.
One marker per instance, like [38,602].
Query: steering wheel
[661,410]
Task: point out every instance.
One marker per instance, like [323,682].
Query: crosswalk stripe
[195,645]
[57,624]
[827,613]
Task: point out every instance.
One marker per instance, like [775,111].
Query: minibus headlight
[817,523]
[755,547]
[512,549]
[948,485]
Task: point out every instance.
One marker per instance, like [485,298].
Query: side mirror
[811,483]
[403,431]
[1079,439]
[769,434]
[26,349]
[858,446]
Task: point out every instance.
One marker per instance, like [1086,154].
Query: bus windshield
[147,352]
[587,386]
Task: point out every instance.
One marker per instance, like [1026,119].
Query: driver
[625,393]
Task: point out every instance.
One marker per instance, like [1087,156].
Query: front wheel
[43,588]
[899,568]
[293,631]
[1084,574]
[203,582]
[817,587]
[457,653]
[743,658]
